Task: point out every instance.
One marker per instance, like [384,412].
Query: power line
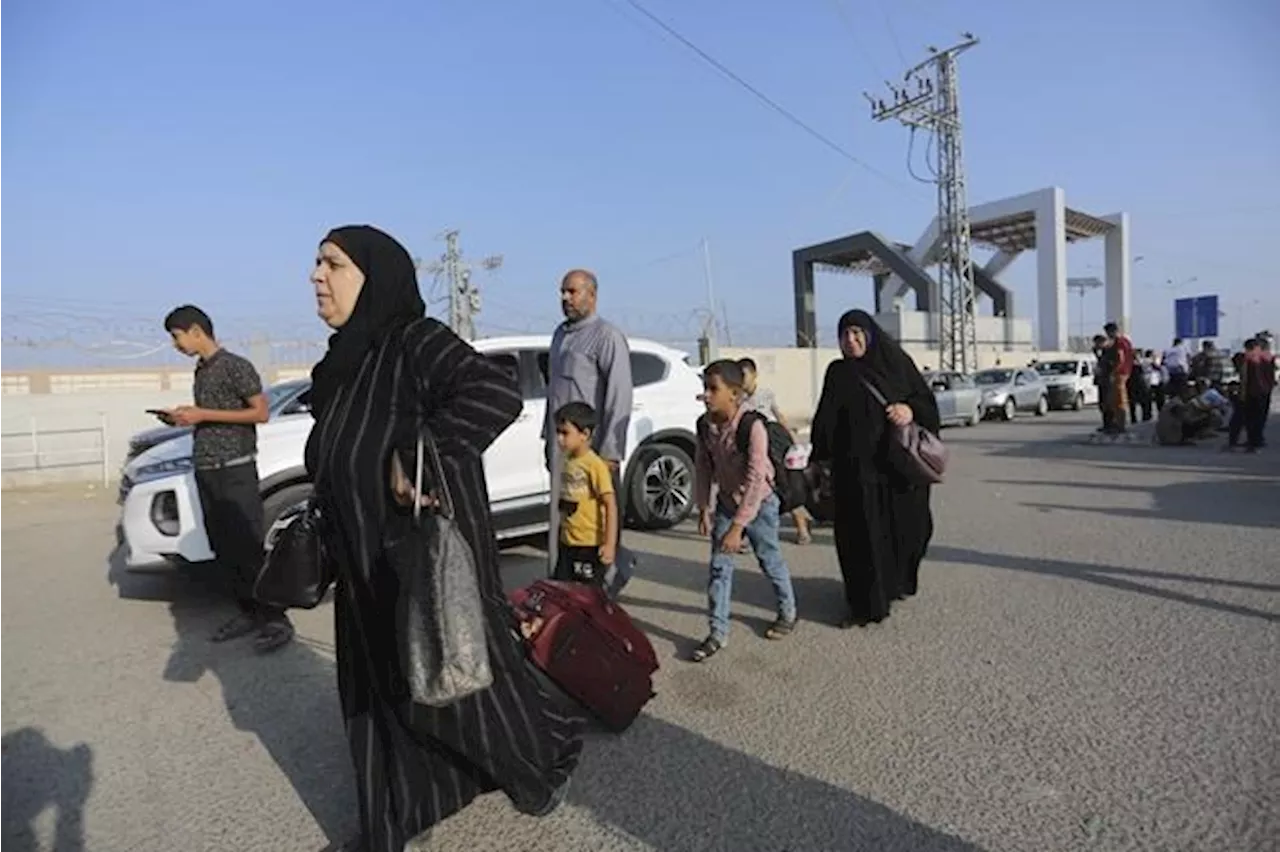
[893,33]
[843,14]
[761,96]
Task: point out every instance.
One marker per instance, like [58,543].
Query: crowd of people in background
[1191,397]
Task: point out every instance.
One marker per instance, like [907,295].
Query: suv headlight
[158,470]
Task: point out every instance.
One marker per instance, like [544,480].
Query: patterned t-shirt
[225,381]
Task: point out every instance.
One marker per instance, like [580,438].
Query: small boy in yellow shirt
[588,506]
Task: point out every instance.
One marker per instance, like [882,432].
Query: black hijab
[850,422]
[389,301]
[885,364]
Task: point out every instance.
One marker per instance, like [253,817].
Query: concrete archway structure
[869,253]
[1038,221]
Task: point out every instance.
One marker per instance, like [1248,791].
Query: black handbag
[297,569]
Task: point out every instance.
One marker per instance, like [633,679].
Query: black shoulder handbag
[297,569]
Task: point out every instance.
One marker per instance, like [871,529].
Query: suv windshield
[994,377]
[278,396]
[1057,368]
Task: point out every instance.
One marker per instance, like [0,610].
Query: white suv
[161,520]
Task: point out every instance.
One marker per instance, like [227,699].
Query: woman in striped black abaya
[387,364]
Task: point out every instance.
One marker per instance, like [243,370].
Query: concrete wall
[72,426]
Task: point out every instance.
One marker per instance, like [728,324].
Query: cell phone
[161,415]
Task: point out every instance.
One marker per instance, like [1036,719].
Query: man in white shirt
[1177,362]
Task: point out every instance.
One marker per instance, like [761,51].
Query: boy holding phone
[229,403]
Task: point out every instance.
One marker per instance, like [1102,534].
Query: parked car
[1070,381]
[283,399]
[959,399]
[1006,391]
[160,515]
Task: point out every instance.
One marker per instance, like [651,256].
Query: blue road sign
[1196,317]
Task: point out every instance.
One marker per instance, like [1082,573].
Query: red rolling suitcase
[589,647]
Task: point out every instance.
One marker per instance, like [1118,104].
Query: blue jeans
[763,535]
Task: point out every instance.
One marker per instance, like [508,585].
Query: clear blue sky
[159,152]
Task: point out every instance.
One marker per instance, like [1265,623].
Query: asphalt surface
[1093,663]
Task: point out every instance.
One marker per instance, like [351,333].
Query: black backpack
[791,486]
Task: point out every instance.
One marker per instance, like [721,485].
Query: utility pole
[929,100]
[1082,286]
[709,330]
[464,297]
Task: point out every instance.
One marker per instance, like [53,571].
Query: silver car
[1008,390]
[959,399]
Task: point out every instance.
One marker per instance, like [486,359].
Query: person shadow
[678,791]
[287,699]
[36,775]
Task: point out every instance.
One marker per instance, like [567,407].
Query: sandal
[708,648]
[803,538]
[274,635]
[780,629]
[240,625]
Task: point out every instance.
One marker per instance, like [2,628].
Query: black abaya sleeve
[469,399]
[822,432]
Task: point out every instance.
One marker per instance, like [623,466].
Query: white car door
[1086,383]
[514,464]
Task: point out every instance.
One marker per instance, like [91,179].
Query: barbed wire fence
[62,339]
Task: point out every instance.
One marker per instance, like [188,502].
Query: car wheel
[1009,410]
[1042,407]
[1079,402]
[975,418]
[278,502]
[661,487]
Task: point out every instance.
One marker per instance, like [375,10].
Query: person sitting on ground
[1184,420]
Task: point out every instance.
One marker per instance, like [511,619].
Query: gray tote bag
[441,629]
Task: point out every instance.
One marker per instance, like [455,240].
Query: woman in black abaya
[387,365]
[882,522]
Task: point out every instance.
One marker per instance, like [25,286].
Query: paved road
[1092,664]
